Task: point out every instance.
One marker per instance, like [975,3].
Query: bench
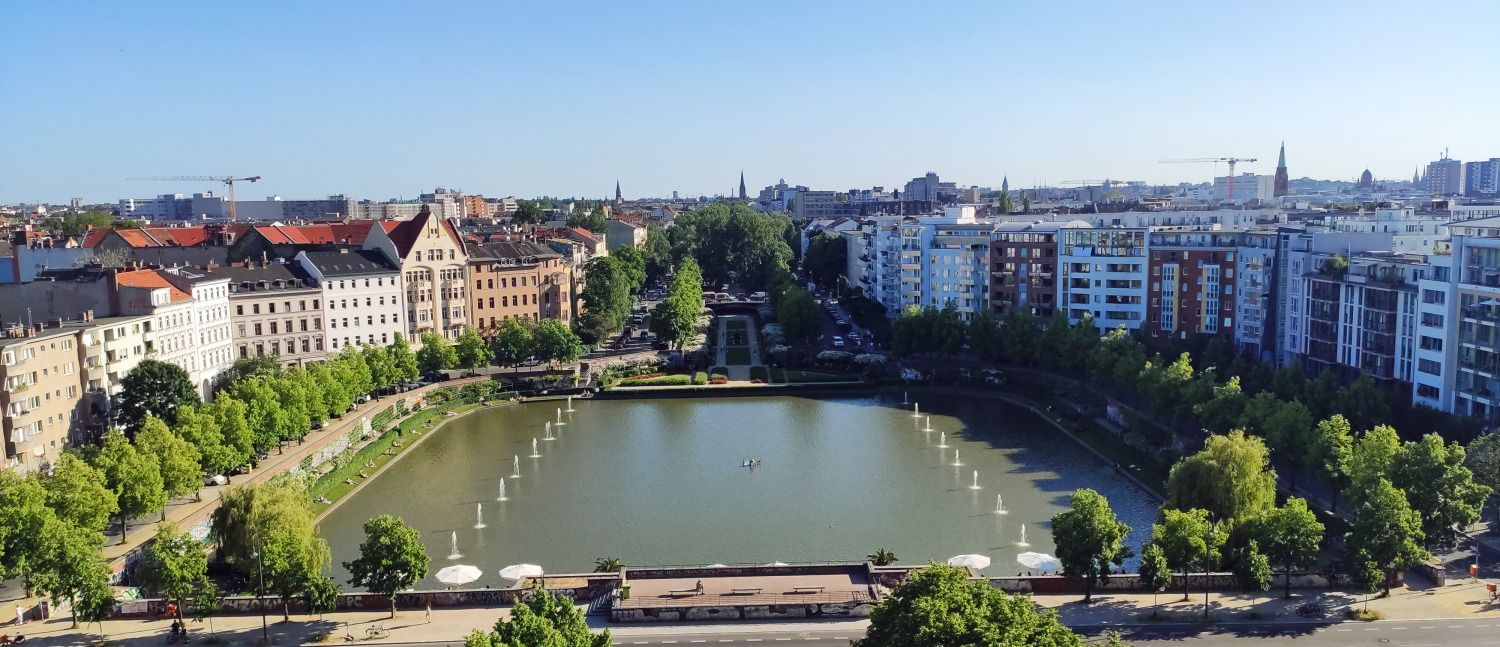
[807,589]
[748,591]
[677,592]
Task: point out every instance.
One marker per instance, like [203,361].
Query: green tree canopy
[1223,409]
[528,213]
[1230,477]
[512,343]
[1089,539]
[675,318]
[1483,459]
[1289,536]
[473,351]
[1439,487]
[24,522]
[153,388]
[134,476]
[938,606]
[555,342]
[403,360]
[1386,532]
[181,475]
[1373,455]
[543,620]
[826,259]
[436,354]
[391,558]
[1188,541]
[605,297]
[174,565]
[1154,572]
[71,568]
[592,220]
[78,493]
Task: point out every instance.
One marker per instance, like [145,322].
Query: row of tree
[796,310]
[734,243]
[675,318]
[546,340]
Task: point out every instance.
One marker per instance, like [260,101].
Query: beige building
[43,389]
[275,309]
[518,279]
[433,263]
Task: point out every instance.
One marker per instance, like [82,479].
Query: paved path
[736,372]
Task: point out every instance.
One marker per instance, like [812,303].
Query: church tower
[742,184]
[617,192]
[1281,177]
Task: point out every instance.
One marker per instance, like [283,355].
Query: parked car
[838,342]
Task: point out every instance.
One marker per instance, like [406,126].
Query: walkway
[737,372]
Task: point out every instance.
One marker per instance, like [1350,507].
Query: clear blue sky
[383,99]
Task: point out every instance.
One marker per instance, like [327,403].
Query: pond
[663,482]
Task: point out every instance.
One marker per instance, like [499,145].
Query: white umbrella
[777,564]
[460,574]
[1039,561]
[520,572]
[976,562]
[717,566]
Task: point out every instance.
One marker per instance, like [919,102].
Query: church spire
[742,184]
[617,191]
[1005,183]
[1281,162]
[1279,186]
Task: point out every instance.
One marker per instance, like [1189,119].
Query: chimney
[88,315]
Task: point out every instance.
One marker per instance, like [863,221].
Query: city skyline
[682,97]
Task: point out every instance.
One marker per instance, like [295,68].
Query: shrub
[657,380]
[718,379]
[700,378]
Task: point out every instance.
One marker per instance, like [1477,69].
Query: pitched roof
[517,250]
[292,277]
[352,233]
[352,263]
[153,236]
[405,233]
[150,279]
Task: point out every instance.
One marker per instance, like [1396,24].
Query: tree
[1253,569]
[1369,577]
[605,296]
[1289,536]
[174,565]
[1386,530]
[544,619]
[881,557]
[472,351]
[78,493]
[75,224]
[1089,539]
[607,565]
[733,243]
[1483,459]
[153,388]
[197,427]
[1230,477]
[229,414]
[264,416]
[321,595]
[1373,455]
[246,367]
[1019,337]
[381,367]
[658,253]
[70,567]
[403,361]
[798,313]
[984,335]
[391,558]
[1439,488]
[177,459]
[1363,403]
[592,220]
[206,602]
[938,605]
[1155,573]
[1330,453]
[24,522]
[1222,411]
[633,266]
[436,354]
[512,344]
[134,477]
[555,342]
[826,259]
[675,318]
[268,530]
[528,213]
[1187,540]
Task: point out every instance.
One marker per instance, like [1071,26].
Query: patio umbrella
[976,562]
[717,566]
[520,572]
[777,564]
[1039,561]
[460,574]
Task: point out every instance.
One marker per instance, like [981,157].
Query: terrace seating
[745,591]
[807,589]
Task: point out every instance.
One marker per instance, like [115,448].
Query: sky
[382,100]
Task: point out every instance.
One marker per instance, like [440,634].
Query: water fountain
[1023,537]
[559,417]
[534,452]
[547,432]
[515,467]
[999,505]
[943,440]
[915,410]
[570,404]
[975,486]
[904,401]
[454,554]
[928,421]
[502,496]
[479,516]
[955,459]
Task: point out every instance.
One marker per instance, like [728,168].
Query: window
[1429,367]
[239,309]
[1432,320]
[1434,297]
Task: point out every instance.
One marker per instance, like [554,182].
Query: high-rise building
[1192,283]
[1444,176]
[1281,177]
[1482,178]
[1023,266]
[1104,274]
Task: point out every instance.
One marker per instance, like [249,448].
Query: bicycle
[376,632]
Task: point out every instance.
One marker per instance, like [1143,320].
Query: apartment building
[1296,248]
[1411,232]
[361,295]
[1361,314]
[276,310]
[189,313]
[518,279]
[1192,283]
[1460,305]
[1023,266]
[956,266]
[431,255]
[1104,275]
[112,347]
[1256,300]
[43,386]
[1223,218]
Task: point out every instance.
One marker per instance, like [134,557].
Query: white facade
[1411,233]
[1433,374]
[1224,218]
[1460,212]
[362,298]
[1247,187]
[211,347]
[1254,277]
[1104,275]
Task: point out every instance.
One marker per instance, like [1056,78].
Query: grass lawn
[332,485]
[737,355]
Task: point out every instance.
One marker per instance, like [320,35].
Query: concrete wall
[750,612]
[1050,584]
[596,585]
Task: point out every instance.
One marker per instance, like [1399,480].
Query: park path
[737,372]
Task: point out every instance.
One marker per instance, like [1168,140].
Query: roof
[154,236]
[517,250]
[1038,226]
[355,262]
[290,277]
[404,233]
[353,233]
[150,279]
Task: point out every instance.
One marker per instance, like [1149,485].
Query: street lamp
[1207,550]
[260,600]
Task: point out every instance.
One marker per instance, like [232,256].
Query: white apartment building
[112,347]
[1256,300]
[1104,275]
[956,266]
[1459,212]
[1247,187]
[1294,252]
[1224,218]
[189,319]
[1434,374]
[212,343]
[361,294]
[1411,233]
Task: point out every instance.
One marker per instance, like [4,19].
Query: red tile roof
[154,236]
[404,233]
[353,233]
[149,279]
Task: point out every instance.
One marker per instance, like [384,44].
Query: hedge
[660,380]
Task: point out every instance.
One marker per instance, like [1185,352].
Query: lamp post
[1207,551]
[260,600]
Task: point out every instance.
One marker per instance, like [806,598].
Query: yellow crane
[226,180]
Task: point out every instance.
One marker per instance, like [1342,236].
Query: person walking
[429,612]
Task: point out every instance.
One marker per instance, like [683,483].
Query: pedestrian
[429,612]
[20,614]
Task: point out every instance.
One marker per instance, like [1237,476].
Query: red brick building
[1191,290]
[1023,267]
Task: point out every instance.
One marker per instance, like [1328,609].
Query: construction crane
[1231,161]
[226,180]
